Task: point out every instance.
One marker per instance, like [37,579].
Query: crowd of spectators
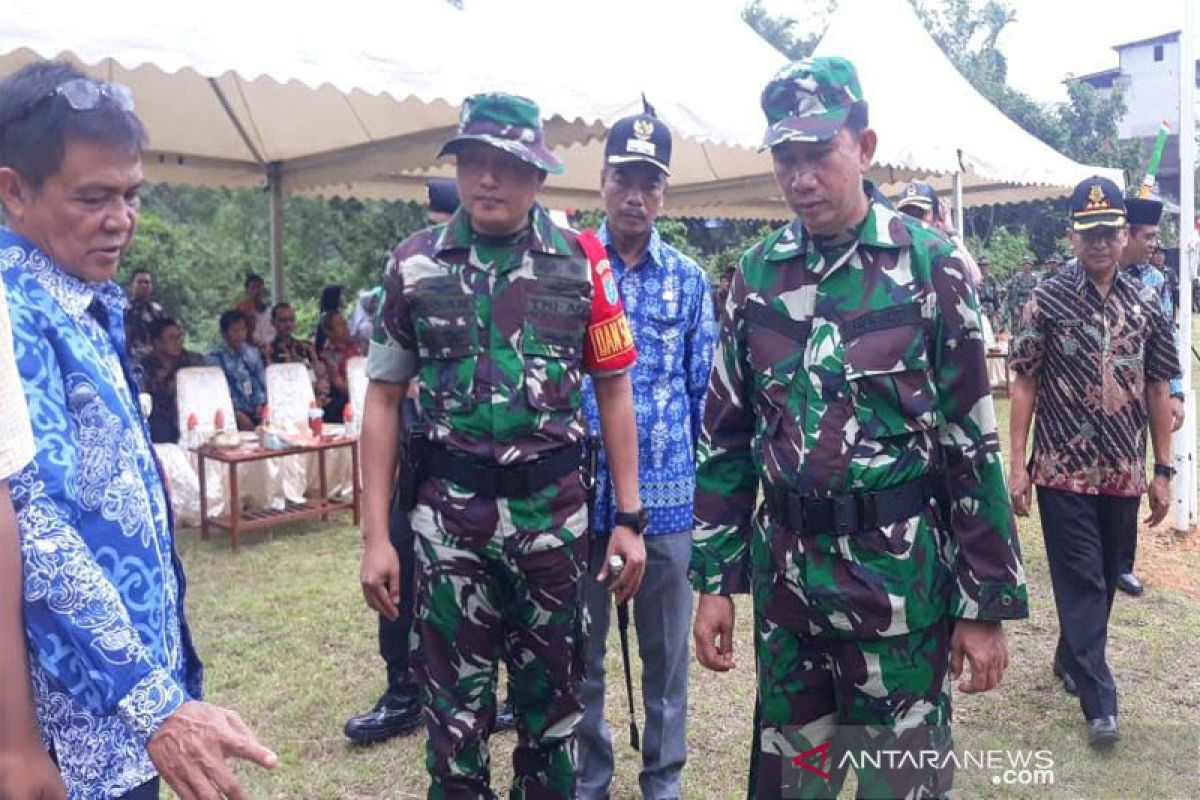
[254,335]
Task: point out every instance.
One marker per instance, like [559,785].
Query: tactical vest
[483,336]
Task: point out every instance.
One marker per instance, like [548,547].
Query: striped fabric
[1093,357]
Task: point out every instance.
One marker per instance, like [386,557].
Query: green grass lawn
[288,642]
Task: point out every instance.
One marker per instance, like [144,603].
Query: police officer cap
[918,194]
[1143,212]
[443,195]
[1097,203]
[640,139]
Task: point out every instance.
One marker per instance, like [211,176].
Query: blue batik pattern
[246,375]
[1152,278]
[671,315]
[110,653]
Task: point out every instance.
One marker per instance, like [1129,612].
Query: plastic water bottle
[192,441]
[316,419]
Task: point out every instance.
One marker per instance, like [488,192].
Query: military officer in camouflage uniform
[1020,288]
[850,384]
[499,312]
[989,293]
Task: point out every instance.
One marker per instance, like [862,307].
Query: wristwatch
[1164,470]
[636,521]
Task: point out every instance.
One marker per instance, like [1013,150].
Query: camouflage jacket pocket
[448,345]
[552,346]
[775,344]
[889,374]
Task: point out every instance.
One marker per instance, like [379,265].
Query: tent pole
[275,190]
[1183,488]
[958,204]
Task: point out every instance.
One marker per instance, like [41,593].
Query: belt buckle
[845,514]
[794,504]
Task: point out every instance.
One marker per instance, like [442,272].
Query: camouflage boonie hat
[810,100]
[507,122]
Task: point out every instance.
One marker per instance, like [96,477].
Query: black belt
[845,514]
[489,479]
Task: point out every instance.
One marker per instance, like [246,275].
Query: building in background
[1147,75]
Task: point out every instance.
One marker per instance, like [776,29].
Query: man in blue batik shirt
[1144,216]
[115,679]
[666,298]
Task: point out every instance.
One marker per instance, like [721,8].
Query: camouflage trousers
[836,704]
[474,607]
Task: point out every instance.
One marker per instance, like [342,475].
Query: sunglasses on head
[82,94]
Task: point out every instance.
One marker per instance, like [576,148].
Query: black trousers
[1084,535]
[394,634]
[1129,547]
[147,791]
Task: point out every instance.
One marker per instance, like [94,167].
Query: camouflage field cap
[810,100]
[507,122]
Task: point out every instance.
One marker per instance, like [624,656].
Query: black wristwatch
[636,521]
[1164,470]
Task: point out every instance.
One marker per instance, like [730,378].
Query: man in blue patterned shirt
[666,299]
[116,681]
[1144,216]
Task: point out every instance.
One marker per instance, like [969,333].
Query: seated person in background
[287,349]
[339,349]
[331,303]
[362,321]
[244,370]
[256,310]
[140,315]
[158,377]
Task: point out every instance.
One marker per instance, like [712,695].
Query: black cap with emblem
[642,138]
[1097,203]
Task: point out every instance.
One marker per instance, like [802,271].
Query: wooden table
[996,354]
[237,520]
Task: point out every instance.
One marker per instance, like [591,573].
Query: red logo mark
[801,760]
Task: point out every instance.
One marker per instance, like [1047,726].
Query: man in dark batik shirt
[141,315]
[1094,355]
[287,349]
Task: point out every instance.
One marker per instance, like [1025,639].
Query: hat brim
[920,202]
[820,128]
[1089,220]
[533,154]
[620,160]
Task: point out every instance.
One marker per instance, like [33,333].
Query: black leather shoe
[1103,732]
[505,721]
[1067,681]
[392,716]
[1128,583]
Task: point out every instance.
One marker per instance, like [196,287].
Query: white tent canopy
[357,102]
[932,121]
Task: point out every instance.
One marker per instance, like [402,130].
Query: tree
[199,244]
[968,33]
[779,32]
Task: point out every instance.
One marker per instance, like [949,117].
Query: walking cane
[616,564]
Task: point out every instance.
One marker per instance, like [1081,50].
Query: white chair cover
[356,378]
[203,391]
[290,395]
[179,465]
